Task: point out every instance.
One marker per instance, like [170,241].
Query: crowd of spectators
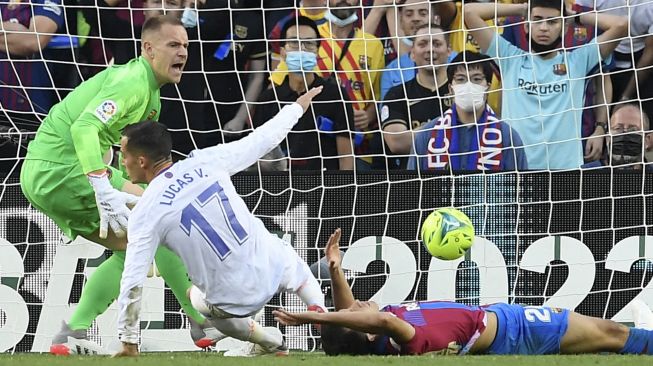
[408,84]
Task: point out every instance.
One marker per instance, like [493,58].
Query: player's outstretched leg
[300,280]
[263,340]
[74,342]
[173,271]
[204,335]
[260,340]
[593,335]
[100,290]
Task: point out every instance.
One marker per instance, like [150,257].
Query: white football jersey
[193,209]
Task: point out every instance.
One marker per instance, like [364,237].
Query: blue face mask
[299,61]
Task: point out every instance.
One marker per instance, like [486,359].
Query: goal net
[575,238]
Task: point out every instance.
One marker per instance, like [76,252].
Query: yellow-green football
[447,233]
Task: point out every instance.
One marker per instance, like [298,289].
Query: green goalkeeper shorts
[63,193]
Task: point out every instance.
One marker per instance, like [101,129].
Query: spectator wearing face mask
[321,139]
[468,136]
[354,59]
[629,139]
[452,16]
[312,9]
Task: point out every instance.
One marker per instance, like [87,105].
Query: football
[447,233]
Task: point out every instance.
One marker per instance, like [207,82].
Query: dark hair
[445,34]
[338,340]
[149,138]
[297,22]
[549,4]
[155,23]
[471,60]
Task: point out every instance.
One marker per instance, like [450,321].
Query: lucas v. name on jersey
[169,194]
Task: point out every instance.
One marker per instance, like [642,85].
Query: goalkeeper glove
[111,204]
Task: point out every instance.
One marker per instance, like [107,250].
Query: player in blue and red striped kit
[25,84]
[360,328]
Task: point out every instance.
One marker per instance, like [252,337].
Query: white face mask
[189,18]
[469,96]
[408,41]
[340,22]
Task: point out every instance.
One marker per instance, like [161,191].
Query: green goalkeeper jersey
[82,127]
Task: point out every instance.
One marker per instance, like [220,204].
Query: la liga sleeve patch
[106,110]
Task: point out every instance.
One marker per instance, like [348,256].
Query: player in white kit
[192,207]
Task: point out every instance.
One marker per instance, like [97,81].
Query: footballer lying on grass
[361,328]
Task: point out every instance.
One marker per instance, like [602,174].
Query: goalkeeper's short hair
[155,23]
[149,138]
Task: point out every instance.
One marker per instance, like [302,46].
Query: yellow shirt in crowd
[359,72]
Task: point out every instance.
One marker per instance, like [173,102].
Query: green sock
[173,271]
[101,289]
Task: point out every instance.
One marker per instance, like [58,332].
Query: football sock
[311,293]
[173,271]
[637,342]
[642,314]
[246,329]
[100,290]
[103,287]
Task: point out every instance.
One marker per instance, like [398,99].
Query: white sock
[311,293]
[642,315]
[246,329]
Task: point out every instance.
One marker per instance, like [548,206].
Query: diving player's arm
[343,298]
[368,321]
[144,239]
[238,155]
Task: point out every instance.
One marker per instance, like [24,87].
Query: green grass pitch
[299,358]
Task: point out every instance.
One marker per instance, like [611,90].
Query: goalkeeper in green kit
[65,177]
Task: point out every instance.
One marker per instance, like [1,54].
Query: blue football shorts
[528,330]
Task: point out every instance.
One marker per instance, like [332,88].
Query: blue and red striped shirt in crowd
[25,85]
[274,38]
